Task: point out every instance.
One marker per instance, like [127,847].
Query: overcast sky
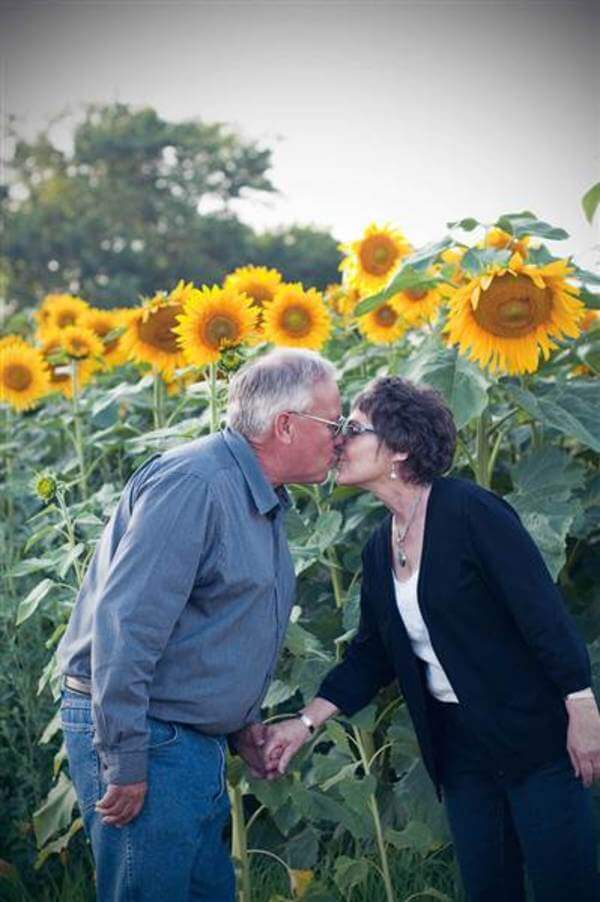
[414,113]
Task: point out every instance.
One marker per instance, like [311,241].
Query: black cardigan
[496,621]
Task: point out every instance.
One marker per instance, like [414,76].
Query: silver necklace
[400,535]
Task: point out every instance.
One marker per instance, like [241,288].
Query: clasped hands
[267,749]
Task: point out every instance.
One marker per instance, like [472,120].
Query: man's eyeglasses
[341,426]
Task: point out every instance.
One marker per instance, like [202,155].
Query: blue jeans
[542,822]
[174,850]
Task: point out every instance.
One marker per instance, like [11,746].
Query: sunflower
[174,385]
[384,325]
[342,300]
[451,269]
[417,305]
[8,341]
[150,335]
[297,318]
[61,372]
[257,282]
[506,316]
[214,319]
[102,323]
[372,260]
[590,321]
[59,311]
[500,240]
[24,377]
[80,343]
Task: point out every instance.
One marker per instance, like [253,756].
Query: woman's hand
[284,739]
[583,738]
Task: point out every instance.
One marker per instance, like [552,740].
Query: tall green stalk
[366,747]
[9,505]
[158,400]
[214,397]
[239,841]
[482,452]
[78,437]
[333,564]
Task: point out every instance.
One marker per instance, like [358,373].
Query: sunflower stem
[70,530]
[10,507]
[158,400]
[482,452]
[78,429]
[239,842]
[333,564]
[214,397]
[366,748]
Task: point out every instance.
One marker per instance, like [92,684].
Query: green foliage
[590,201]
[136,205]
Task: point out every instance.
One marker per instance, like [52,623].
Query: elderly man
[176,631]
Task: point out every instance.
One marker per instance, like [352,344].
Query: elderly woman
[458,606]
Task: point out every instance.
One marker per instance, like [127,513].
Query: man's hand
[284,739]
[249,743]
[121,804]
[583,738]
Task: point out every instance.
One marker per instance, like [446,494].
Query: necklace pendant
[401,557]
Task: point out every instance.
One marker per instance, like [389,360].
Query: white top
[408,607]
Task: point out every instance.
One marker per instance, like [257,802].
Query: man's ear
[283,428]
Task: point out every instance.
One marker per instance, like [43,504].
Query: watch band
[307,723]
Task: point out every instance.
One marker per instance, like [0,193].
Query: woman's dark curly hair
[414,419]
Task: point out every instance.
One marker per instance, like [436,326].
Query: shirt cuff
[124,767]
[581,693]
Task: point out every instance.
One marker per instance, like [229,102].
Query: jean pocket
[163,733]
[76,715]
[84,764]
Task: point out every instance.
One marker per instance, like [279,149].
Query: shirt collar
[266,498]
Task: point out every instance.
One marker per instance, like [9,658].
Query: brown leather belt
[78,684]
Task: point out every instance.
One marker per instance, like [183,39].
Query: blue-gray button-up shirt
[183,609]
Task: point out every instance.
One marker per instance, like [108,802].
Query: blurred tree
[137,204]
[302,254]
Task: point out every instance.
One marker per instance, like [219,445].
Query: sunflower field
[493,317]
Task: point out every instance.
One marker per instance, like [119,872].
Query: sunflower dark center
[296,320]
[385,316]
[378,254]
[157,330]
[220,330]
[79,347]
[415,294]
[18,377]
[513,307]
[66,318]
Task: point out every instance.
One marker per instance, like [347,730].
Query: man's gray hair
[280,380]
